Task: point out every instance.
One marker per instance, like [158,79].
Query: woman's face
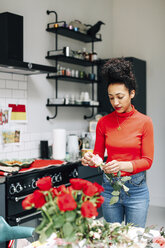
[120,97]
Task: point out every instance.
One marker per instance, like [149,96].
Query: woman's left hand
[114,166]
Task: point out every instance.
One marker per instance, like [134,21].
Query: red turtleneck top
[133,142]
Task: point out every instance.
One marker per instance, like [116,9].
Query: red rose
[62,189]
[66,202]
[54,192]
[99,187]
[39,199]
[44,183]
[99,201]
[28,202]
[90,189]
[78,183]
[88,210]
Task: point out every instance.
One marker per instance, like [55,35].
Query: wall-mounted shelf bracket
[54,116]
[90,116]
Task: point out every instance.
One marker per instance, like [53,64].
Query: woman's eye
[120,97]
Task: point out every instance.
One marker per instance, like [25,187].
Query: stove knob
[19,187]
[59,177]
[34,184]
[54,178]
[75,173]
[12,189]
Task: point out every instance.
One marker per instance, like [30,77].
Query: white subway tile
[25,137]
[22,85]
[18,77]
[35,153]
[7,148]
[3,156]
[12,155]
[2,84]
[10,84]
[2,102]
[18,94]
[5,75]
[5,93]
[34,136]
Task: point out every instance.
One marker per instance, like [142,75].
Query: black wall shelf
[76,35]
[71,105]
[72,79]
[72,60]
[59,28]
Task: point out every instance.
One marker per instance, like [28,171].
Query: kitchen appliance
[73,147]
[11,47]
[16,187]
[44,149]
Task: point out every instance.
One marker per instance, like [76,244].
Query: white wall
[36,43]
[138,31]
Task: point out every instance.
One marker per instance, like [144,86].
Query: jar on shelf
[94,56]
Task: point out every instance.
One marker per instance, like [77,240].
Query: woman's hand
[87,160]
[114,166]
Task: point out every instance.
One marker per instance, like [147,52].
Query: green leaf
[114,199]
[119,174]
[70,216]
[58,221]
[125,179]
[67,229]
[115,192]
[126,189]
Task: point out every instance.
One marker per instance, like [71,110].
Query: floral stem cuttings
[117,182]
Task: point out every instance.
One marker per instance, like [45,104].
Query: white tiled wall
[13,90]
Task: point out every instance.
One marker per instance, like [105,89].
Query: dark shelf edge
[72,60]
[72,105]
[72,79]
[76,35]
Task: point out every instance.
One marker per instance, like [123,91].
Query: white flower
[96,235]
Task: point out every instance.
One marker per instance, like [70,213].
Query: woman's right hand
[87,160]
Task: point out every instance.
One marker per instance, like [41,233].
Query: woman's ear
[132,94]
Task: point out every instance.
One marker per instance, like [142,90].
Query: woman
[128,137]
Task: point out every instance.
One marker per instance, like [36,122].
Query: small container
[56,25]
[68,73]
[76,73]
[94,56]
[73,73]
[66,99]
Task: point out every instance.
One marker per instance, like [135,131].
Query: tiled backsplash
[13,90]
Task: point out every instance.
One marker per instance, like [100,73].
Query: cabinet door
[139,67]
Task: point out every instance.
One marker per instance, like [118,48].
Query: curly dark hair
[119,70]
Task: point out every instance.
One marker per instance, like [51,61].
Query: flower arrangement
[116,181]
[65,210]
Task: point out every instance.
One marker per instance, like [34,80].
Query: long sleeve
[147,149]
[100,140]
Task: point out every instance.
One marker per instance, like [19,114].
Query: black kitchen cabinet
[139,68]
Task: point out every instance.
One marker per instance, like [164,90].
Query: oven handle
[20,219]
[18,198]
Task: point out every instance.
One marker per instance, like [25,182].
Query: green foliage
[118,184]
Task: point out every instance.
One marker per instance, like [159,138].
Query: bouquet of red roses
[65,210]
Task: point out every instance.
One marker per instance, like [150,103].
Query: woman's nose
[116,101]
